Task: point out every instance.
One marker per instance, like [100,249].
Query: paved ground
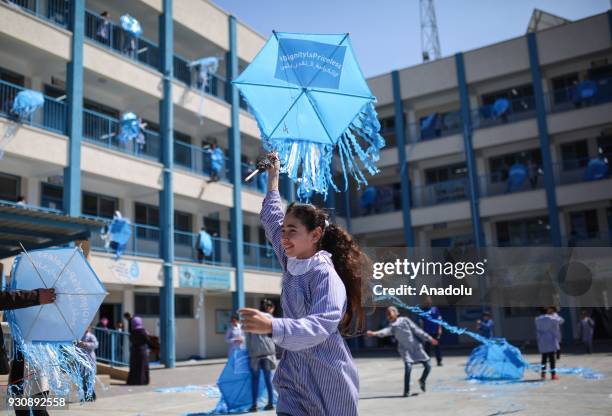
[381,384]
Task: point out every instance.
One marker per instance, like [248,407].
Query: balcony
[498,183]
[261,257]
[580,170]
[374,200]
[52,117]
[440,193]
[55,11]
[585,94]
[197,160]
[102,130]
[185,249]
[504,111]
[144,242]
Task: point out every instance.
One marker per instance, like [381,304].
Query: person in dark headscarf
[139,354]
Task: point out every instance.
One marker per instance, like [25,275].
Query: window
[387,124]
[52,196]
[445,173]
[600,72]
[12,77]
[212,224]
[562,87]
[182,149]
[100,108]
[99,205]
[575,155]
[9,187]
[521,98]
[499,165]
[147,215]
[246,236]
[183,223]
[147,304]
[584,224]
[523,232]
[604,143]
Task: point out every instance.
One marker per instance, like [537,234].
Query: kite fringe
[309,164]
[64,366]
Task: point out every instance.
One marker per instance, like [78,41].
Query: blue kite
[130,25]
[46,335]
[26,102]
[309,98]
[129,128]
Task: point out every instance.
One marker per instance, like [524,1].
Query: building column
[74,86]
[547,166]
[400,137]
[469,152]
[234,148]
[166,201]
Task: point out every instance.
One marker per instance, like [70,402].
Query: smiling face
[296,240]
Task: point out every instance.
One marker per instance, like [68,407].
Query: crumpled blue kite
[235,385]
[129,128]
[206,67]
[309,97]
[130,25]
[27,102]
[205,243]
[46,334]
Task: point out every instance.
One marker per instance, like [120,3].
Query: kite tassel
[57,367]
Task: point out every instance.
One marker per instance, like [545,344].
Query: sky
[386,33]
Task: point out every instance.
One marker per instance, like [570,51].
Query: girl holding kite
[321,301]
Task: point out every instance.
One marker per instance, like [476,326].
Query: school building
[437,119]
[68,159]
[456,126]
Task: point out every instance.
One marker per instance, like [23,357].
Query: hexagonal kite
[46,335]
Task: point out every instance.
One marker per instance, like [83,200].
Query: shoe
[555,377]
[440,364]
[543,376]
[269,406]
[406,394]
[253,409]
[422,385]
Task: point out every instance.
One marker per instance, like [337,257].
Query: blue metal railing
[56,11]
[588,239]
[145,240]
[111,35]
[113,346]
[260,257]
[573,171]
[533,239]
[440,193]
[441,125]
[185,249]
[497,183]
[197,159]
[518,109]
[52,117]
[102,130]
[32,207]
[577,96]
[388,199]
[215,86]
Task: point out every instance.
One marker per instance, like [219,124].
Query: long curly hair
[348,259]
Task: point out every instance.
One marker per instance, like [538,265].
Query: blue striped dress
[316,374]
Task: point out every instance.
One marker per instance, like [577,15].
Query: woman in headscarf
[139,353]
